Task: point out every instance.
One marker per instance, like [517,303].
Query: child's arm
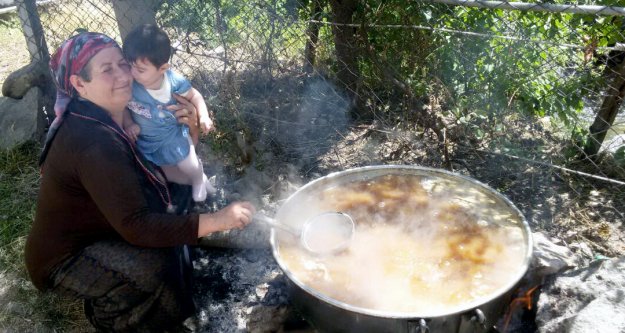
[130,127]
[205,122]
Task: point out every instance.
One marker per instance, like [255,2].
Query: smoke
[295,124]
[292,125]
[312,126]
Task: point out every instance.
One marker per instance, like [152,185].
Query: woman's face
[110,86]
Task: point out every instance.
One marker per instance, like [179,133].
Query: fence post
[607,112]
[39,56]
[346,50]
[33,31]
[312,37]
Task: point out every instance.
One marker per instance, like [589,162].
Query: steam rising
[422,245]
[312,125]
[291,133]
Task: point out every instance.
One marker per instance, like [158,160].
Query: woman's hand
[236,215]
[133,132]
[184,111]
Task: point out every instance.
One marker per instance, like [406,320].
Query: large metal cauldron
[330,315]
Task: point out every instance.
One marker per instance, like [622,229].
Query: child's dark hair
[147,41]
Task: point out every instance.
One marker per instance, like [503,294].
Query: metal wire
[539,7]
[502,91]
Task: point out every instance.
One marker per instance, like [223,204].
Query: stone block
[18,118]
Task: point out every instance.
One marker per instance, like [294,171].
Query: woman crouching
[102,232]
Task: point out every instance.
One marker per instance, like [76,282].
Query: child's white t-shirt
[162,94]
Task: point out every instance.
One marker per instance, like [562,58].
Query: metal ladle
[322,234]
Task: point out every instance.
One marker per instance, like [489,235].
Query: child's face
[148,75]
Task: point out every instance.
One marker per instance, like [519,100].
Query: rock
[607,309]
[583,251]
[18,118]
[265,318]
[18,83]
[585,300]
[550,258]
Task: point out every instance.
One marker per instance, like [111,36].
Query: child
[157,133]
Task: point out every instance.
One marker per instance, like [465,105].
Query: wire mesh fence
[522,96]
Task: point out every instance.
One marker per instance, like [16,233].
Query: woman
[101,231]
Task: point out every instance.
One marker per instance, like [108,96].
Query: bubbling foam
[422,245]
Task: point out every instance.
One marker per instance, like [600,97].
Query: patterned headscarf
[69,59]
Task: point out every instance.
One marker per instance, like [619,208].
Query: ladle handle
[272,222]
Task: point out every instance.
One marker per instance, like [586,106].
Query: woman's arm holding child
[130,127]
[205,121]
[186,113]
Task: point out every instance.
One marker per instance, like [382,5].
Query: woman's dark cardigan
[94,186]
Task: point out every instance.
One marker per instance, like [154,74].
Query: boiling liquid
[416,248]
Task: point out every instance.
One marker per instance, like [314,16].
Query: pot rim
[401,314]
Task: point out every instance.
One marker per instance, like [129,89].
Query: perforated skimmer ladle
[322,234]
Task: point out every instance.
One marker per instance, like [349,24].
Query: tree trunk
[347,51]
[312,34]
[268,54]
[131,13]
[33,31]
[607,113]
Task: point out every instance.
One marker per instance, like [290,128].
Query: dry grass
[22,307]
